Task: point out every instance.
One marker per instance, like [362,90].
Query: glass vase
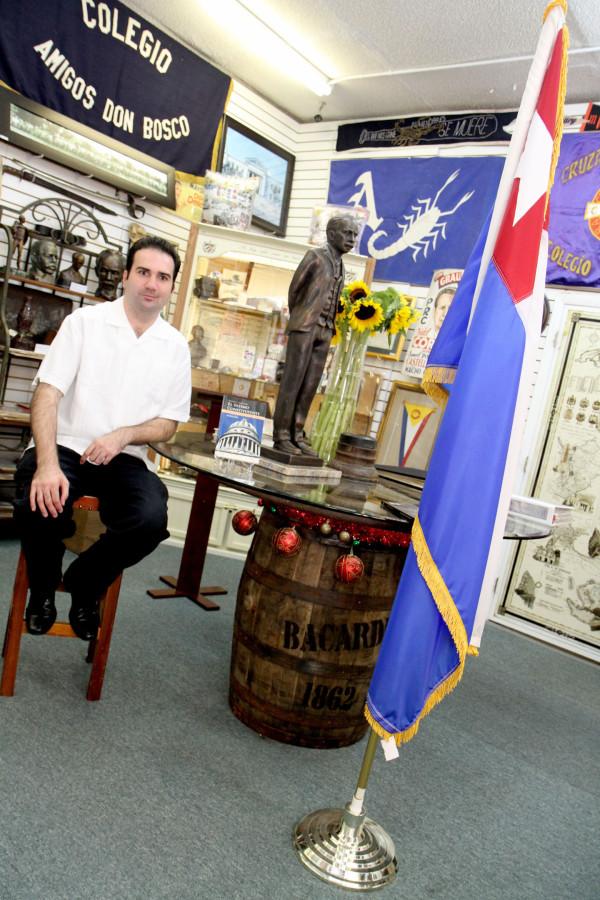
[341,395]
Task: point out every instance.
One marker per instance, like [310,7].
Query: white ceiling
[359,37]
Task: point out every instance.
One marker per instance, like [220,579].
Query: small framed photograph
[317,235]
[43,131]
[380,345]
[246,154]
[409,428]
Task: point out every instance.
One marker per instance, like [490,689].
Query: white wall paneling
[17,193]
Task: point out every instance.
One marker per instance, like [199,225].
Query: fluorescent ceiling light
[259,38]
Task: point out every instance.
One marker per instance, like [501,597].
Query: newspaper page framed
[554,582]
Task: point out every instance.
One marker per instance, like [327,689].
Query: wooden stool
[98,648]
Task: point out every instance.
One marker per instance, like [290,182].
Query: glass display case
[236,305]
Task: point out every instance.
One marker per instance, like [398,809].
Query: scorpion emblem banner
[424,214]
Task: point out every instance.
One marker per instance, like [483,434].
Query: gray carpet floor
[157,791]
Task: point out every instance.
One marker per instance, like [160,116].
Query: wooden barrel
[305,644]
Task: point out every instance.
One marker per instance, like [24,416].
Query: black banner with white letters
[106,67]
[466,128]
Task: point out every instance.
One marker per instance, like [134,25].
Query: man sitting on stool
[116,376]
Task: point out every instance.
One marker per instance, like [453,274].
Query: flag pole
[343,846]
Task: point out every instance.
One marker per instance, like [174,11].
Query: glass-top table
[385,504]
[351,499]
[366,504]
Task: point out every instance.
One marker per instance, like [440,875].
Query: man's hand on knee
[49,490]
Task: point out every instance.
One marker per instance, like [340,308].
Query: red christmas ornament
[244,522]
[287,541]
[349,568]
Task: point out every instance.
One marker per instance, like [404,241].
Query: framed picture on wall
[555,581]
[317,235]
[43,131]
[380,345]
[246,154]
[409,428]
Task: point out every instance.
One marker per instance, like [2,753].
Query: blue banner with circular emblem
[574,229]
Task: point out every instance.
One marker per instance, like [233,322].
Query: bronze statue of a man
[43,260]
[109,269]
[313,298]
[20,234]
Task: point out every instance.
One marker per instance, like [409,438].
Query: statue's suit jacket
[310,288]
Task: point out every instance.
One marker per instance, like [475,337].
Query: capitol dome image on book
[240,430]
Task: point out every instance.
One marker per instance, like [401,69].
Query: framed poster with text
[555,581]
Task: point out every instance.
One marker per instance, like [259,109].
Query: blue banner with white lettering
[108,68]
[424,214]
[574,228]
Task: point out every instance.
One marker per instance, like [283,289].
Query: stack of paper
[540,511]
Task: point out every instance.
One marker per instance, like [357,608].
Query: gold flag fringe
[454,623]
[433,379]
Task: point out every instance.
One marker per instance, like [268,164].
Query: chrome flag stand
[343,846]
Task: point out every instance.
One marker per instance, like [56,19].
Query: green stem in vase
[341,396]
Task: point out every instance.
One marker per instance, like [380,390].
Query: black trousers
[304,363]
[132,505]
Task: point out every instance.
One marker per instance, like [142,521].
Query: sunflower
[336,337]
[402,319]
[366,315]
[356,290]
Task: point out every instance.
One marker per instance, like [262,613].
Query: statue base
[298,473]
[291,459]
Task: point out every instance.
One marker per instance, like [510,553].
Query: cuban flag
[484,353]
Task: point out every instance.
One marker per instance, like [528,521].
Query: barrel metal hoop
[344,720]
[320,596]
[299,664]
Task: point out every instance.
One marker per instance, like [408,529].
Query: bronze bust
[109,269]
[313,298]
[196,345]
[72,274]
[43,260]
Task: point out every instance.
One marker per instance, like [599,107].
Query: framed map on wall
[555,581]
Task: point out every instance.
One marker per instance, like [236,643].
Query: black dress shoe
[40,614]
[287,447]
[305,448]
[84,619]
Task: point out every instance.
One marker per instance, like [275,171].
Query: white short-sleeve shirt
[110,378]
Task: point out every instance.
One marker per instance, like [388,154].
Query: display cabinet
[232,308]
[235,306]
